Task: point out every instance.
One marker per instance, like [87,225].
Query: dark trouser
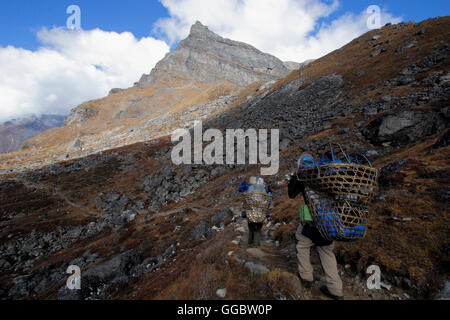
[254,233]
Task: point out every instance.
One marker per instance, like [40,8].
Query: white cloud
[71,68]
[288,29]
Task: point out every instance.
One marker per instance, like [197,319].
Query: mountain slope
[141,227]
[15,132]
[198,79]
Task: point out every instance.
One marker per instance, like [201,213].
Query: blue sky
[47,69]
[21,19]
[416,10]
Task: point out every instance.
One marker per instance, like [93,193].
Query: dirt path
[85,211]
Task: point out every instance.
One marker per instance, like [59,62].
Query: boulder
[102,274]
[221,293]
[403,127]
[256,268]
[69,294]
[200,230]
[80,114]
[167,253]
[407,45]
[114,91]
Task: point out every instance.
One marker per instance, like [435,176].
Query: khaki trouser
[327,258]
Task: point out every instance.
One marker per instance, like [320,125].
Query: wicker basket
[256,205]
[344,181]
[341,220]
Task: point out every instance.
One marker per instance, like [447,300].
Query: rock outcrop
[80,114]
[206,57]
[399,128]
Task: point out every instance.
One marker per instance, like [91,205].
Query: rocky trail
[268,258]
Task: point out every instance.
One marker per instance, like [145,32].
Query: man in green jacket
[308,236]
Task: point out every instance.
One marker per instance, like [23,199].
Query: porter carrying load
[256,202]
[338,194]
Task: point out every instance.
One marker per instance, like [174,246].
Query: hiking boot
[327,292]
[307,284]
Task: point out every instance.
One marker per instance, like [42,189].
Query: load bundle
[256,201]
[338,193]
[256,205]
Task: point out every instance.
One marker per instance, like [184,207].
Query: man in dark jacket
[307,236]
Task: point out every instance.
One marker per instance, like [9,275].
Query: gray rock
[376,37]
[375,53]
[343,131]
[167,253]
[387,98]
[131,217]
[65,293]
[221,215]
[407,45]
[150,262]
[200,230]
[284,144]
[401,81]
[80,114]
[115,90]
[256,268]
[221,293]
[102,273]
[401,127]
[371,153]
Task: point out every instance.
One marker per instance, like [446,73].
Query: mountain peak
[206,57]
[198,27]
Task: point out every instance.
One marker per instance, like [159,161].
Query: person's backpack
[304,214]
[243,186]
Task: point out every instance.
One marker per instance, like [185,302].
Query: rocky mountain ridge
[204,71]
[206,57]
